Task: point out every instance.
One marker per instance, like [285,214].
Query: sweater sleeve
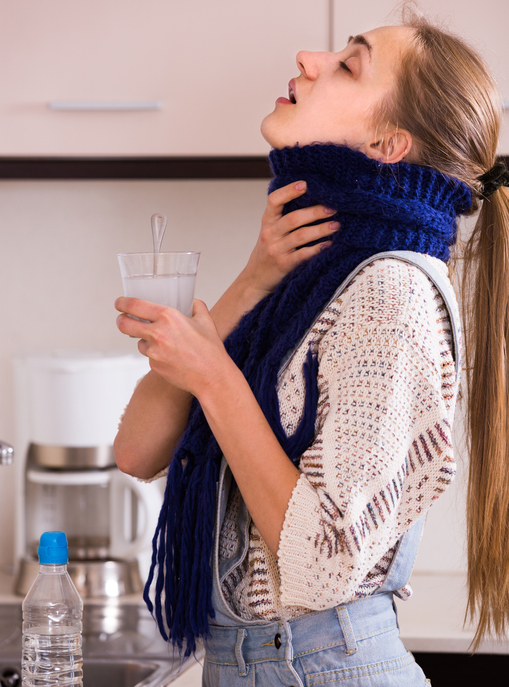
[383,450]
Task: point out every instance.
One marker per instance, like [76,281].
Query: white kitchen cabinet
[484,25]
[152,78]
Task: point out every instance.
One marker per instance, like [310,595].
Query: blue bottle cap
[53,548]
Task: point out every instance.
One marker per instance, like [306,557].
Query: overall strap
[403,561]
[442,285]
[439,281]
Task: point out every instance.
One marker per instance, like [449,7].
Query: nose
[310,64]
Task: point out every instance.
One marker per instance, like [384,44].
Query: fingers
[199,308]
[274,254]
[182,350]
[134,328]
[305,216]
[307,253]
[297,228]
[304,235]
[141,319]
[137,315]
[278,198]
[275,225]
[145,310]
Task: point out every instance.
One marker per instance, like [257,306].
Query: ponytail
[454,115]
[485,304]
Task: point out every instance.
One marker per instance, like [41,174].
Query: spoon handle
[158,228]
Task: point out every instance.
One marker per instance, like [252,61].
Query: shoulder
[389,306]
[390,291]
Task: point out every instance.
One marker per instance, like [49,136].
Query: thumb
[199,308]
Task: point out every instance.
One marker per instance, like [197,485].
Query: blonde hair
[449,103]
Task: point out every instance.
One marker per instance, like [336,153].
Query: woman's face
[333,98]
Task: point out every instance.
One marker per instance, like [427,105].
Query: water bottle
[52,621]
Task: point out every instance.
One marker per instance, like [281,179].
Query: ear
[393,147]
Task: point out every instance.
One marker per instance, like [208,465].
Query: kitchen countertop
[430,621]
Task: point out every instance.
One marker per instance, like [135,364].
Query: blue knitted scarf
[380,207]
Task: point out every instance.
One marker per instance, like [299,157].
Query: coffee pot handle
[149,500]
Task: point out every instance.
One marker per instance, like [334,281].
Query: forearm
[158,411]
[152,425]
[264,474]
[241,297]
[280,248]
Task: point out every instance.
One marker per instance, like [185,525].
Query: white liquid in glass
[173,290]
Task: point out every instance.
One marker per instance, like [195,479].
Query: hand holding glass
[164,278]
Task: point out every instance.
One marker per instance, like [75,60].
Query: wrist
[249,291]
[238,299]
[223,381]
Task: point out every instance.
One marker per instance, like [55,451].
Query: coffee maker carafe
[69,406]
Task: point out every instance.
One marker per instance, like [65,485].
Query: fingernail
[334,226]
[329,211]
[301,186]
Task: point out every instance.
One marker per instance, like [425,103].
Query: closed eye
[344,66]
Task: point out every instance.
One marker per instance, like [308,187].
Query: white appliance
[68,407]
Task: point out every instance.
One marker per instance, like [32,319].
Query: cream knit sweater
[382,452]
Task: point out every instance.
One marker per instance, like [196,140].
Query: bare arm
[189,354]
[276,253]
[151,426]
[158,411]
[264,474]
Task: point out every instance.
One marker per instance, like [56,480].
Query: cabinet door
[159,77]
[484,25]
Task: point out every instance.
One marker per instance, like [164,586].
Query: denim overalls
[353,645]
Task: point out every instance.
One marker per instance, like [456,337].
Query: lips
[292,92]
[292,99]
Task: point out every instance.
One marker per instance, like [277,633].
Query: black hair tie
[493,179]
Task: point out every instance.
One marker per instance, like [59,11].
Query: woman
[314,440]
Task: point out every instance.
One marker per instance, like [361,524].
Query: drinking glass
[164,278]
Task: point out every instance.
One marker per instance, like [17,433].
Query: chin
[278,133]
[266,130]
[273,130]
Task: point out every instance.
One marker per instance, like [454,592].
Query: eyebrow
[361,40]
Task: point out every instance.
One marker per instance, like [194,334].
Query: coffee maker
[68,406]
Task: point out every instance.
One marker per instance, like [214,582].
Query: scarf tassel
[180,567]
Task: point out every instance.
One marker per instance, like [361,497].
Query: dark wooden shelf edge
[253,167]
[135,168]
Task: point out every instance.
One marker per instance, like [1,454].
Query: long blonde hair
[448,101]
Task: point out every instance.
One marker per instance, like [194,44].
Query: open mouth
[291,95]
